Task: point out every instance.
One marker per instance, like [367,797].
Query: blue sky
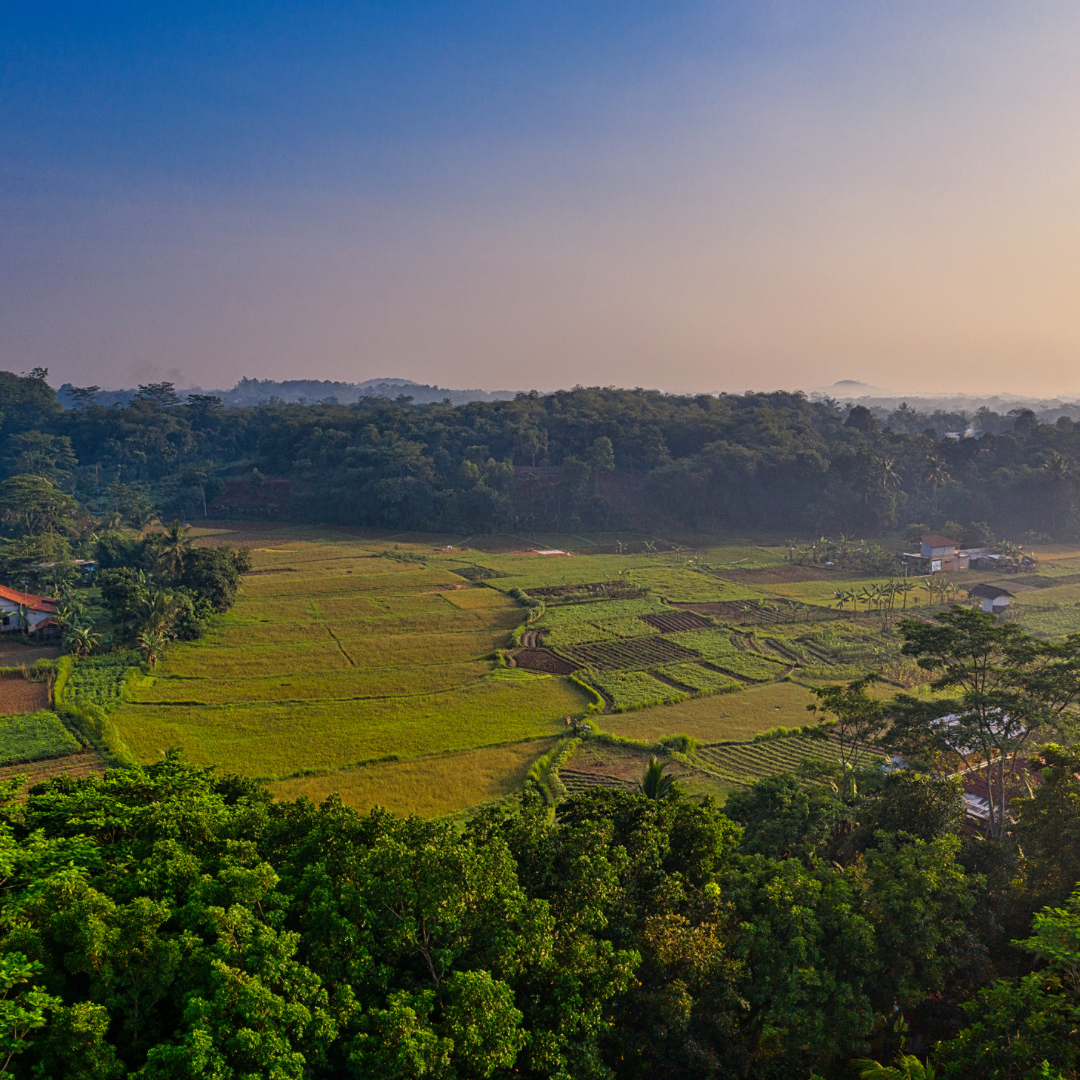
[694,196]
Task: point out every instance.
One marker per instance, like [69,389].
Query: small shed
[994,599]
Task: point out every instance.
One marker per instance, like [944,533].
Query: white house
[36,610]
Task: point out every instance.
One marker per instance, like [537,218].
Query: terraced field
[745,763]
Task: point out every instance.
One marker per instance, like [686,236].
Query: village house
[937,555]
[994,600]
[25,611]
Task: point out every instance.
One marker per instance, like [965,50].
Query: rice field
[718,718]
[429,786]
[373,668]
[345,658]
[747,762]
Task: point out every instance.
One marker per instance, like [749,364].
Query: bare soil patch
[543,660]
[21,696]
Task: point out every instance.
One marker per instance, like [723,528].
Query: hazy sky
[684,195]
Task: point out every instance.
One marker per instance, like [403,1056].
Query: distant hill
[255,391]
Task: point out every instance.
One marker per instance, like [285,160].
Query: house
[994,600]
[939,554]
[37,611]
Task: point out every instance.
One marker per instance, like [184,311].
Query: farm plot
[543,660]
[674,621]
[33,736]
[629,690]
[716,646]
[577,623]
[677,583]
[640,652]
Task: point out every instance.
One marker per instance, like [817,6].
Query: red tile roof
[30,600]
[938,541]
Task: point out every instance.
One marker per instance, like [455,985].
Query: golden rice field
[369,667]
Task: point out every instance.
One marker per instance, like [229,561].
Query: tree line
[583,458]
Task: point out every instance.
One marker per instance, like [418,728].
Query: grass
[428,786]
[34,736]
[630,690]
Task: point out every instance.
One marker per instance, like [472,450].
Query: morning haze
[724,197]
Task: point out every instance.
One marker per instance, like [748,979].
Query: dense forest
[170,922]
[576,459]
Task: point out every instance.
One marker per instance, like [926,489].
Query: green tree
[35,505]
[172,549]
[1009,691]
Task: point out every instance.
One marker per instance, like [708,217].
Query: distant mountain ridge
[256,391]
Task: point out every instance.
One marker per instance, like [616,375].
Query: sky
[693,196]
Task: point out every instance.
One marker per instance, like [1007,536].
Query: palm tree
[654,784]
[149,643]
[936,475]
[650,547]
[907,1067]
[890,477]
[157,610]
[620,547]
[173,547]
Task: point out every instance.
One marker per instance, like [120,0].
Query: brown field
[19,696]
[15,653]
[428,786]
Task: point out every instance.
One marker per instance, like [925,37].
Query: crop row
[629,690]
[634,653]
[748,762]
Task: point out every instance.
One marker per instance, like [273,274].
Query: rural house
[36,611]
[994,600]
[940,554]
